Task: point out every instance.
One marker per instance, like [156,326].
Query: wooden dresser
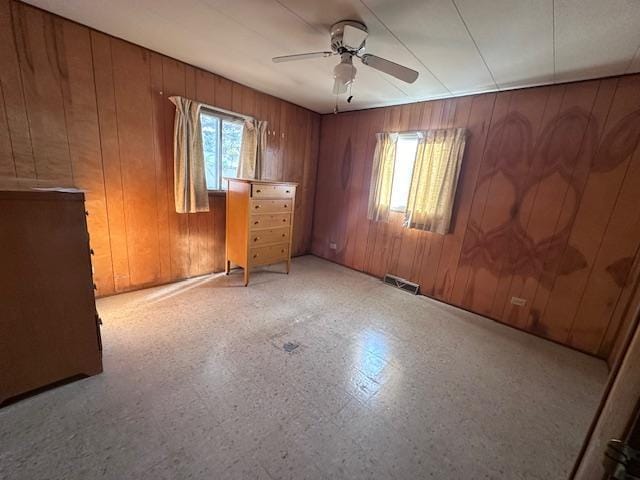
[259,223]
[49,328]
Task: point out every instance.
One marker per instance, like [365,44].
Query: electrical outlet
[333,246]
[520,302]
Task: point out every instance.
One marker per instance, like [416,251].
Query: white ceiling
[458,46]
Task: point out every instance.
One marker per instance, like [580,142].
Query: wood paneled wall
[547,208]
[80,108]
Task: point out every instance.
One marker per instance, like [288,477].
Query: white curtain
[384,159]
[190,183]
[254,141]
[435,178]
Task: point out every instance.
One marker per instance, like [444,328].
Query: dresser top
[45,194]
[262,182]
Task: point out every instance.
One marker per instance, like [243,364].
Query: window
[403,171]
[221,141]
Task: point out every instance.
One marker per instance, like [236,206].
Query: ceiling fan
[348,39]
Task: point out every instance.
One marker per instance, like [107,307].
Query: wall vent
[401,283]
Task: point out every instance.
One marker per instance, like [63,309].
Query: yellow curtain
[435,177]
[384,159]
[254,141]
[190,183]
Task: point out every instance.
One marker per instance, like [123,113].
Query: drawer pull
[257,206]
[284,235]
[288,191]
[255,255]
[285,205]
[284,220]
[256,222]
[256,239]
[282,251]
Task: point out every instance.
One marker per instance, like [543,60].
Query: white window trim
[404,136]
[221,115]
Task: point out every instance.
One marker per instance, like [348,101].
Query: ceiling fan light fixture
[344,74]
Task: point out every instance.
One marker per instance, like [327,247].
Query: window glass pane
[402,171]
[210,125]
[231,142]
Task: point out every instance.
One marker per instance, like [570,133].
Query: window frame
[404,135]
[221,116]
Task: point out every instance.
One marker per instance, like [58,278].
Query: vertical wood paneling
[78,91]
[160,153]
[111,164]
[14,107]
[131,80]
[174,84]
[477,128]
[539,289]
[311,139]
[80,108]
[464,270]
[546,207]
[608,170]
[37,39]
[374,125]
[320,239]
[527,182]
[7,164]
[563,141]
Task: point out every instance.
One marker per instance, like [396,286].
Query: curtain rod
[217,109]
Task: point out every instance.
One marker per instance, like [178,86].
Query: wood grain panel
[38,43]
[161,151]
[545,209]
[608,169]
[562,142]
[477,128]
[540,289]
[131,80]
[14,106]
[80,108]
[111,165]
[7,164]
[83,132]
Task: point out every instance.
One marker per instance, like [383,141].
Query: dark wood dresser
[49,327]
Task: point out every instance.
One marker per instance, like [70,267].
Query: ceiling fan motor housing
[340,44]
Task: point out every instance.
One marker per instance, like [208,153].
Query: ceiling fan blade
[390,68]
[353,37]
[300,56]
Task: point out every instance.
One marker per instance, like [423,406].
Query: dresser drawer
[273,235]
[266,221]
[270,206]
[272,191]
[270,254]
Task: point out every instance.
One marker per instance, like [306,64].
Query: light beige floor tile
[383,384]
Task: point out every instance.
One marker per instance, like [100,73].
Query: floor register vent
[401,283]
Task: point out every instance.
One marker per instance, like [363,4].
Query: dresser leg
[227,267]
[246,276]
[288,266]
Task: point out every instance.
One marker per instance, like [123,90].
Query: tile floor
[197,384]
